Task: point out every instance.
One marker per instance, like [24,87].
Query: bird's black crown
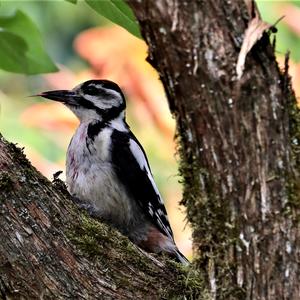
[95,87]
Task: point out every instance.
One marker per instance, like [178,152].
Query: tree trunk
[239,145]
[49,249]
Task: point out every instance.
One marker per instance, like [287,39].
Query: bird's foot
[88,207]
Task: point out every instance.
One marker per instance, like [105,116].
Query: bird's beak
[64,96]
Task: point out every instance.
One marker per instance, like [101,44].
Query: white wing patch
[150,207]
[158,214]
[140,157]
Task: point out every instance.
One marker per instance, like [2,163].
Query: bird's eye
[91,90]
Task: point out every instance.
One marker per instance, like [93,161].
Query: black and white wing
[132,168]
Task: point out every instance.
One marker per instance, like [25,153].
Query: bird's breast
[85,154]
[91,176]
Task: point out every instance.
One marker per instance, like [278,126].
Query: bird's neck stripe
[94,129]
[111,113]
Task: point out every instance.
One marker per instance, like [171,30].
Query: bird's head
[92,100]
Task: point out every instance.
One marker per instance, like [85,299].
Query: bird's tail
[180,257]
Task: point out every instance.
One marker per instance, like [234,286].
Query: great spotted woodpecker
[107,170]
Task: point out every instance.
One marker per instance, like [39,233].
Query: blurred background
[84,45]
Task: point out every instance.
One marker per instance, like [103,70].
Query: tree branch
[49,249]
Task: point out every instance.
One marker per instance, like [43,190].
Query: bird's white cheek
[83,114]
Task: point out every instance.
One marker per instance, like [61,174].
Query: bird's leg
[88,207]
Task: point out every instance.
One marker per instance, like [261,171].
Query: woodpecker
[107,170]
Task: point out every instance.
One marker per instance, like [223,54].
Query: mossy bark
[50,249]
[239,145]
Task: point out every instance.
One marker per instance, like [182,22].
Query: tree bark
[49,249]
[239,145]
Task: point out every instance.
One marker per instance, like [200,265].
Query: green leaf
[72,1]
[12,52]
[27,49]
[118,12]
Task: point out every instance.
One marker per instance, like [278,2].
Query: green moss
[294,127]
[93,238]
[190,283]
[294,124]
[293,173]
[6,182]
[90,236]
[208,216]
[111,250]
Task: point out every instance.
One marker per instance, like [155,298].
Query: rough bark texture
[51,250]
[239,145]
